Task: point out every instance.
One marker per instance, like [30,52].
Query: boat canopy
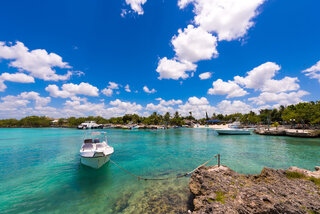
[95,137]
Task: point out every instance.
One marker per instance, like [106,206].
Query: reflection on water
[41,170]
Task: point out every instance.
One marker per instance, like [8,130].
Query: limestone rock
[222,190]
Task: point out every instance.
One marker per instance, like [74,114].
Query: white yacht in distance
[233,129]
[95,151]
[90,125]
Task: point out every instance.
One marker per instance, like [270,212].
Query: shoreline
[222,190]
[307,133]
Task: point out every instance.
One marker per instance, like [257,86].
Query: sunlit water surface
[40,171]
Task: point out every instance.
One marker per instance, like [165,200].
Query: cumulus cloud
[229,19]
[206,75]
[191,45]
[70,89]
[257,77]
[229,88]
[163,106]
[169,102]
[173,69]
[2,86]
[17,77]
[313,72]
[20,105]
[279,98]
[260,78]
[38,63]
[214,20]
[82,107]
[194,44]
[147,90]
[198,106]
[107,91]
[127,107]
[285,84]
[230,107]
[136,6]
[113,85]
[127,88]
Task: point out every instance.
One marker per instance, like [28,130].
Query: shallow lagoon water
[41,170]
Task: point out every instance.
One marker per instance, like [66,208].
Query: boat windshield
[95,137]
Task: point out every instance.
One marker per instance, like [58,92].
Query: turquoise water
[41,172]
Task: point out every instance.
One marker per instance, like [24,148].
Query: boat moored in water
[234,129]
[95,151]
[90,125]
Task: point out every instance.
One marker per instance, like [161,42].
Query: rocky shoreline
[222,190]
[289,132]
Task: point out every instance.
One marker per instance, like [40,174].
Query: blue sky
[138,43]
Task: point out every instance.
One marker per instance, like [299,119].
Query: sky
[68,58]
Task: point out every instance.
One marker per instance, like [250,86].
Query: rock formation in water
[222,190]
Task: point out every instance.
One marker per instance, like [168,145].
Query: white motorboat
[234,129]
[90,125]
[95,151]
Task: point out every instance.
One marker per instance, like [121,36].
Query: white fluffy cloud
[191,45]
[107,91]
[230,107]
[39,101]
[229,88]
[136,5]
[120,108]
[206,75]
[2,86]
[113,85]
[279,98]
[260,78]
[169,102]
[70,90]
[38,63]
[194,44]
[229,19]
[173,69]
[313,72]
[82,107]
[163,106]
[127,88]
[285,84]
[257,77]
[17,77]
[24,104]
[198,106]
[147,90]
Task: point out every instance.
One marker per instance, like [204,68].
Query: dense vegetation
[301,113]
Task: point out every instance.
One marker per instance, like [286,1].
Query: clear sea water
[40,171]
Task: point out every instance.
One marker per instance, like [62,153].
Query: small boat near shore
[95,151]
[234,129]
[90,125]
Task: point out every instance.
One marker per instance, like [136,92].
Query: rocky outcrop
[222,190]
[289,132]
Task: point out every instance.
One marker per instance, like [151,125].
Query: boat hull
[233,132]
[95,162]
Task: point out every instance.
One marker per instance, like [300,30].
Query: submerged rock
[222,190]
[170,197]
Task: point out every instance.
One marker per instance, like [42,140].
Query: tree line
[301,113]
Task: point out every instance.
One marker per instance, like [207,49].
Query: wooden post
[218,160]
